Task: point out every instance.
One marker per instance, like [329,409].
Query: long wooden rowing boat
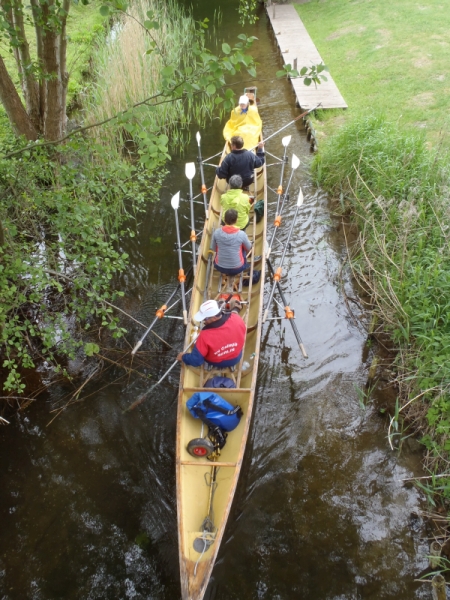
[205,488]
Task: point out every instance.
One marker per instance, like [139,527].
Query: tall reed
[125,74]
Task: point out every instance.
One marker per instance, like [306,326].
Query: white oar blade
[198,137]
[175,202]
[190,170]
[295,161]
[300,198]
[286,140]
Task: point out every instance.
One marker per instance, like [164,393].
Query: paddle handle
[136,348]
[290,123]
[141,398]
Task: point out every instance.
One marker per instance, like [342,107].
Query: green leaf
[307,81]
[226,48]
[90,349]
[211,89]
[167,71]
[104,10]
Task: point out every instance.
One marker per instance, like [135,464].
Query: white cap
[243,100]
[210,308]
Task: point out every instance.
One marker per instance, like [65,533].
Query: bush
[63,212]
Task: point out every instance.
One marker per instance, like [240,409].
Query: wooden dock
[295,43]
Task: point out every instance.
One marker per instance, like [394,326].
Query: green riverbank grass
[386,56]
[397,191]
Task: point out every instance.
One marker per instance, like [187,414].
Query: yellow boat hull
[194,474]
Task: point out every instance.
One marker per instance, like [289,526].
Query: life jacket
[214,411]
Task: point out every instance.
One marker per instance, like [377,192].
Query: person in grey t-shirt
[231,246]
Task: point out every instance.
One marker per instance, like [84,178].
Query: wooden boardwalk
[295,43]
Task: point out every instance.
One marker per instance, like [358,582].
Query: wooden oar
[208,266]
[141,399]
[202,175]
[288,312]
[190,172]
[285,141]
[290,123]
[277,274]
[277,222]
[175,202]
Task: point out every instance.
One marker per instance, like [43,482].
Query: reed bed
[125,74]
[397,191]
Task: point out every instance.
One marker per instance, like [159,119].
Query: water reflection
[88,504]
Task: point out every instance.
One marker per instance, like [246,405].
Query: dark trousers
[232,271]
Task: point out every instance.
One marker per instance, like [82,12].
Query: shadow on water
[87,504]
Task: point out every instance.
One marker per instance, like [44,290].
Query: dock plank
[295,43]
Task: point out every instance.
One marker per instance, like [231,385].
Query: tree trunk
[45,94]
[54,86]
[37,16]
[14,108]
[30,86]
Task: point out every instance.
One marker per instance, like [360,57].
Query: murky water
[87,505]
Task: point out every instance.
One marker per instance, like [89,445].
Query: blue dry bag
[214,411]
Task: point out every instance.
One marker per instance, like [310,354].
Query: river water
[87,505]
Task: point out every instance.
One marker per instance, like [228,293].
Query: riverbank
[385,161]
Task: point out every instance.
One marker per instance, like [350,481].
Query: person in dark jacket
[221,340]
[241,162]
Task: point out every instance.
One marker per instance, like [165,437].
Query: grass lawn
[387,56]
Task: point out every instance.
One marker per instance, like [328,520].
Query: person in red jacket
[221,340]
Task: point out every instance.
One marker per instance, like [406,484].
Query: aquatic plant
[155,58]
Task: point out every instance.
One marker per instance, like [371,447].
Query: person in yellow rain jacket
[244,121]
[235,198]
